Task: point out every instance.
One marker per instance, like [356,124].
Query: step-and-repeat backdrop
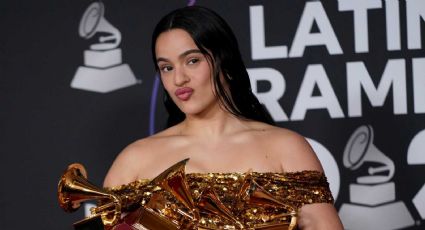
[77,84]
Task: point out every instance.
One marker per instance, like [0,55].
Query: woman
[214,119]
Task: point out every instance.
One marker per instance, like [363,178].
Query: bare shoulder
[291,149]
[296,154]
[126,165]
[136,160]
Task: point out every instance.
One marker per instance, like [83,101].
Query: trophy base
[93,223]
[124,226]
[388,216]
[145,219]
[103,80]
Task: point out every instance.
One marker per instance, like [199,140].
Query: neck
[213,124]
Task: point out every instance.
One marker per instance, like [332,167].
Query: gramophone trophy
[74,188]
[157,213]
[103,70]
[372,199]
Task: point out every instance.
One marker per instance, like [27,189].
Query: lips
[184,93]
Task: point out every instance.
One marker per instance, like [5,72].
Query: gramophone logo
[103,70]
[373,202]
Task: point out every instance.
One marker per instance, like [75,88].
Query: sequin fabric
[270,201]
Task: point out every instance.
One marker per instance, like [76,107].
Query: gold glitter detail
[292,189]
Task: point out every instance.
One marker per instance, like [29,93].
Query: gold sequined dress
[175,200]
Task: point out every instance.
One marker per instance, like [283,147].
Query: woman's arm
[319,216]
[298,155]
[127,165]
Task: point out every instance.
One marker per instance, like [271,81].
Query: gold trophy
[74,188]
[169,204]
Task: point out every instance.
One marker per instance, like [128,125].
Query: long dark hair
[215,39]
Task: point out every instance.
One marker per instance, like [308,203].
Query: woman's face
[185,72]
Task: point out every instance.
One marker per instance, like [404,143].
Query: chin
[190,111]
[195,107]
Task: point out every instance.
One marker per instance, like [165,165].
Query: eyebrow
[182,55]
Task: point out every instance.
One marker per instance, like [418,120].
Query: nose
[180,77]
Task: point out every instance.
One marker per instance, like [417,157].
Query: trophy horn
[74,189]
[174,181]
[254,194]
[209,202]
[152,216]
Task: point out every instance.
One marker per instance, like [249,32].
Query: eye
[165,68]
[193,61]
